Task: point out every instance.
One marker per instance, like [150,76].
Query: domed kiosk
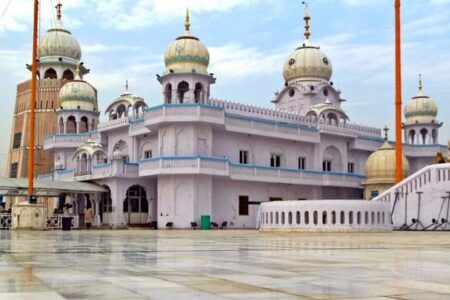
[186,78]
[78,112]
[421,125]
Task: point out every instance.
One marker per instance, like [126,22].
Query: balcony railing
[223,167]
[69,140]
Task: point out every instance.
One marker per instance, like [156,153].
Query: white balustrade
[325,215]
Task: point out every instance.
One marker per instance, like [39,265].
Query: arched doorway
[71,126]
[106,206]
[135,206]
[84,125]
[198,92]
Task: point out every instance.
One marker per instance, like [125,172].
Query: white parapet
[29,216]
[325,215]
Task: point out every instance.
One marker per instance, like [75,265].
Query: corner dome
[78,94]
[186,54]
[421,109]
[380,166]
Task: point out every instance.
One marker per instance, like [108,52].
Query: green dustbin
[205,222]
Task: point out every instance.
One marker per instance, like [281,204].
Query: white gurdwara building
[193,155]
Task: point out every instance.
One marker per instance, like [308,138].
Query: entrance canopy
[46,188]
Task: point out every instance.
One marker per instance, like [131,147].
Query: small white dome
[78,94]
[421,109]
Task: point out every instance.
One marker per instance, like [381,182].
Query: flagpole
[398,96]
[33,101]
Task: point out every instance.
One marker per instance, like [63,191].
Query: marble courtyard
[141,264]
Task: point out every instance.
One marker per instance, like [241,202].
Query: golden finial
[58,10]
[187,24]
[307,18]
[126,86]
[386,130]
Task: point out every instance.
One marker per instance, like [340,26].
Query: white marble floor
[141,264]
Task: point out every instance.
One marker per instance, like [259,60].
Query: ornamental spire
[58,11]
[126,87]
[386,130]
[307,18]
[187,23]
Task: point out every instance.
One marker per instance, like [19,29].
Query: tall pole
[33,100]
[398,96]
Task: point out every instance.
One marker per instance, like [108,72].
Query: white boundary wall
[325,215]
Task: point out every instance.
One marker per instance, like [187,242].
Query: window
[13,171]
[243,205]
[275,160]
[326,165]
[351,168]
[17,140]
[243,157]
[301,163]
[148,154]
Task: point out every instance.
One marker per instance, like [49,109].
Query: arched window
[358,217]
[373,218]
[316,217]
[168,93]
[276,218]
[342,217]
[298,217]
[183,88]
[271,217]
[378,217]
[68,75]
[333,217]
[290,218]
[412,136]
[283,221]
[50,74]
[71,126]
[84,125]
[121,111]
[434,136]
[306,217]
[424,135]
[324,218]
[61,125]
[350,218]
[198,92]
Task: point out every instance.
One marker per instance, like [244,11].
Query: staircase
[421,201]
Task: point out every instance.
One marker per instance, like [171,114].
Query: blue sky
[248,41]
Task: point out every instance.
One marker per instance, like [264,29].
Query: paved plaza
[227,264]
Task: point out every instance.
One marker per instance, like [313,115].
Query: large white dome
[307,62]
[59,42]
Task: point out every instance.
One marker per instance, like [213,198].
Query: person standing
[88,217]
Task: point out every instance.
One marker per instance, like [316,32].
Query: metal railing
[5,221]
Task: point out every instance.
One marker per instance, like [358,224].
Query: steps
[421,201]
